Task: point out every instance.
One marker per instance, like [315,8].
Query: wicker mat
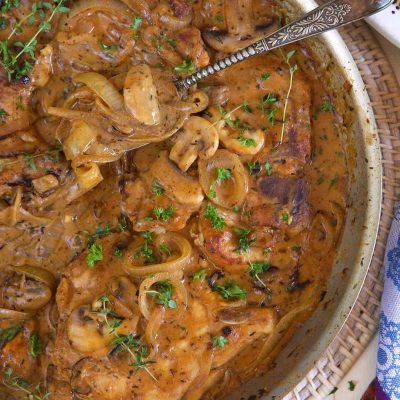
[362,324]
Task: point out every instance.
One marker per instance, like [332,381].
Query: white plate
[387,22]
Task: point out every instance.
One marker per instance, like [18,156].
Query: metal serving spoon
[329,16]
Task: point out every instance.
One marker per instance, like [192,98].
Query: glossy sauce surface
[170,270]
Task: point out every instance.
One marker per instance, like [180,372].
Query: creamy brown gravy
[205,345]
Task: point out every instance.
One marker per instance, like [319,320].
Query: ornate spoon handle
[322,19]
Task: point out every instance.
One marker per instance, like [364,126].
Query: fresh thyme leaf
[246,141]
[3,23]
[199,275]
[16,382]
[163,294]
[217,222]
[157,189]
[30,161]
[254,167]
[290,54]
[187,65]
[34,345]
[269,98]
[326,106]
[271,115]
[164,248]
[265,76]
[99,233]
[3,113]
[246,107]
[171,42]
[334,181]
[285,218]
[145,251]
[9,59]
[268,168]
[8,334]
[95,254]
[118,253]
[108,49]
[230,291]
[258,267]
[220,341]
[8,4]
[136,23]
[244,241]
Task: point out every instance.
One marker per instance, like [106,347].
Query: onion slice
[5,313]
[173,241]
[179,288]
[231,192]
[103,88]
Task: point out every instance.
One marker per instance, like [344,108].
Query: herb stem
[292,70]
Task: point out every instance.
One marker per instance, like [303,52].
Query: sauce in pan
[157,245]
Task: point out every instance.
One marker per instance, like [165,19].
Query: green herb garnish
[163,294]
[95,254]
[230,291]
[246,141]
[157,189]
[187,65]
[268,168]
[220,341]
[326,106]
[213,216]
[244,241]
[163,214]
[34,345]
[8,334]
[199,275]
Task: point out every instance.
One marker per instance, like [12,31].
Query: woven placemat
[362,323]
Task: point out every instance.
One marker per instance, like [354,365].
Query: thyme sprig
[129,343]
[11,53]
[292,71]
[16,382]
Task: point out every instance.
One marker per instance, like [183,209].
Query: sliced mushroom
[248,142]
[234,316]
[198,138]
[86,334]
[140,95]
[178,186]
[28,290]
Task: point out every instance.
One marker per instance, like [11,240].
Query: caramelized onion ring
[103,88]
[322,234]
[238,185]
[174,277]
[173,241]
[86,7]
